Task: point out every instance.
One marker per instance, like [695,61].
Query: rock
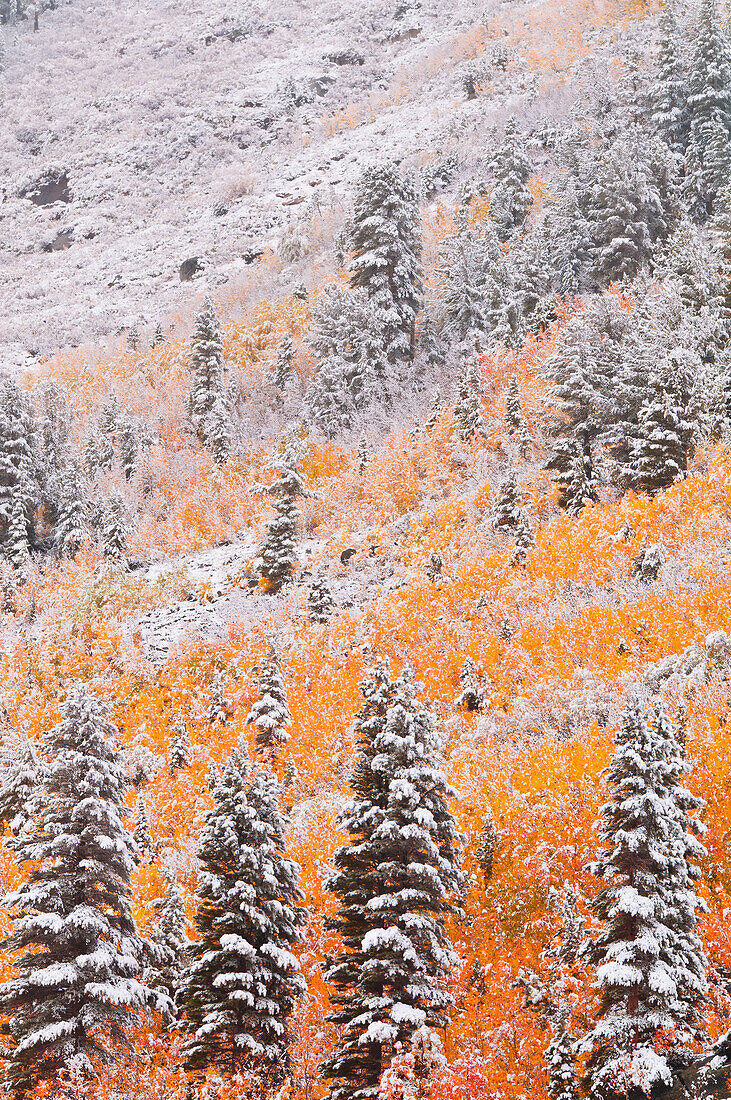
[63,240]
[347,555]
[189,268]
[251,256]
[52,186]
[346,57]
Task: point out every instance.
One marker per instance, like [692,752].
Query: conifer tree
[239,989]
[217,433]
[435,412]
[20,775]
[181,752]
[283,366]
[170,938]
[78,989]
[17,548]
[71,530]
[277,553]
[468,407]
[129,447]
[320,600]
[142,835]
[114,531]
[365,453]
[579,487]
[207,369]
[218,711]
[710,74]
[649,974]
[661,450]
[17,469]
[392,880]
[474,687]
[465,265]
[514,419]
[512,198]
[385,239]
[561,1063]
[270,713]
[671,116]
[158,336]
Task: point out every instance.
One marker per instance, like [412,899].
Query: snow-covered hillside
[172,133]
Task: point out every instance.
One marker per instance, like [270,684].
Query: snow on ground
[203,131]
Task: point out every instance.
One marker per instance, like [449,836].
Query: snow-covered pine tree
[238,991]
[320,600]
[129,446]
[385,239]
[283,366]
[133,337]
[511,199]
[20,775]
[217,431]
[560,1056]
[664,439]
[578,487]
[17,546]
[435,412]
[142,835]
[647,980]
[170,938]
[219,707]
[431,342]
[364,453]
[277,552]
[270,713]
[207,368]
[515,422]
[468,406]
[465,262]
[115,530]
[474,687]
[710,74]
[70,531]
[671,116]
[158,336]
[505,512]
[393,881]
[79,956]
[181,751]
[18,482]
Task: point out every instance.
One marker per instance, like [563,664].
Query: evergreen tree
[17,548]
[511,198]
[277,553]
[509,515]
[468,407]
[649,974]
[71,529]
[576,481]
[207,369]
[128,446]
[515,422]
[181,751]
[20,776]
[392,881]
[283,367]
[365,453]
[561,1063]
[78,990]
[710,74]
[270,713]
[218,436]
[671,116]
[385,240]
[465,265]
[142,835]
[239,989]
[474,687]
[158,336]
[431,343]
[114,531]
[435,412]
[18,477]
[218,711]
[171,941]
[320,600]
[661,451]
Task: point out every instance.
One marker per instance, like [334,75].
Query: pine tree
[142,835]
[207,368]
[17,548]
[474,687]
[78,989]
[240,987]
[710,74]
[435,412]
[392,881]
[181,751]
[465,264]
[671,116]
[561,1063]
[649,974]
[217,432]
[385,240]
[71,530]
[133,337]
[277,553]
[219,709]
[171,941]
[509,515]
[18,481]
[114,531]
[664,440]
[158,336]
[270,713]
[365,453]
[468,407]
[283,367]
[511,198]
[320,600]
[20,776]
[515,422]
[578,485]
[128,446]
